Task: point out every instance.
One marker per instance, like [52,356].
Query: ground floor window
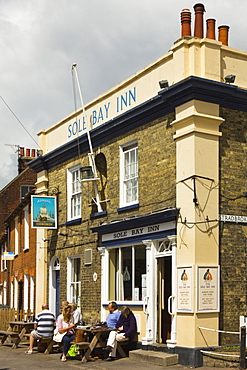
[127,272]
[74,279]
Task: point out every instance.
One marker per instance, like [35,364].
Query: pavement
[16,359]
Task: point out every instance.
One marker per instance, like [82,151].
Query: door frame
[168,247]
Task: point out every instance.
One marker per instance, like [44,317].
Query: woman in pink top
[65,324]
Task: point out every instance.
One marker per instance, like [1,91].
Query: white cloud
[109,40]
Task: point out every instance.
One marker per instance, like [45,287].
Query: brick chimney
[210,29]
[185,22]
[25,156]
[223,34]
[199,10]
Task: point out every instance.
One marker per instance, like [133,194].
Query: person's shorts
[35,335]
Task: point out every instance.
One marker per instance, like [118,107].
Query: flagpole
[90,154]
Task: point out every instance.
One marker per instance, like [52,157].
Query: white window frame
[32,294]
[5,292]
[16,293]
[70,283]
[125,150]
[26,227]
[4,262]
[12,294]
[27,189]
[119,288]
[25,292]
[73,193]
[16,236]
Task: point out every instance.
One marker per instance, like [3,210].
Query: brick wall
[10,194]
[156,151]
[25,261]
[233,183]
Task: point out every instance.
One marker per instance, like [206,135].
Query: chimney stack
[25,155]
[185,22]
[223,34]
[210,29]
[199,10]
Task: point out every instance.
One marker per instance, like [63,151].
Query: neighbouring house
[17,276]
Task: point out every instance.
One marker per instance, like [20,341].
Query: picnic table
[98,340]
[94,338]
[23,328]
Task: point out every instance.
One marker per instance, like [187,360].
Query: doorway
[164,292]
[54,293]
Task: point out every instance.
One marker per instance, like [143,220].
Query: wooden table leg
[4,339]
[91,347]
[19,338]
[120,349]
[49,347]
[10,329]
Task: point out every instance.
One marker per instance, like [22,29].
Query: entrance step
[154,357]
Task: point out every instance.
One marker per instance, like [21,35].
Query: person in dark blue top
[127,330]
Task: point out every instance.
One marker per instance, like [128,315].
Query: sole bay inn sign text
[138,231]
[104,112]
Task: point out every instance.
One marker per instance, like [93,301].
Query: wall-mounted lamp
[59,233]
[230,79]
[45,240]
[86,173]
[163,84]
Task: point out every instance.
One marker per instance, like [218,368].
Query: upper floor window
[3,261]
[129,174]
[25,189]
[74,192]
[16,236]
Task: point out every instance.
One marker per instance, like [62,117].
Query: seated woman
[65,324]
[126,330]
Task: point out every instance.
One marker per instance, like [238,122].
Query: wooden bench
[50,342]
[81,345]
[120,349]
[7,334]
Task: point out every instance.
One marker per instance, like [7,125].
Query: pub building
[142,175]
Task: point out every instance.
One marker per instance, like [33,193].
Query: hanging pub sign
[44,212]
[8,256]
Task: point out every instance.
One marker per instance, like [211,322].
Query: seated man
[43,326]
[127,330]
[113,316]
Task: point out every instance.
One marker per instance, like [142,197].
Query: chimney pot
[199,10]
[185,22]
[223,34]
[210,29]
[27,152]
[33,153]
[21,152]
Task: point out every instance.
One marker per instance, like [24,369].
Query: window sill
[72,222]
[128,208]
[126,303]
[98,214]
